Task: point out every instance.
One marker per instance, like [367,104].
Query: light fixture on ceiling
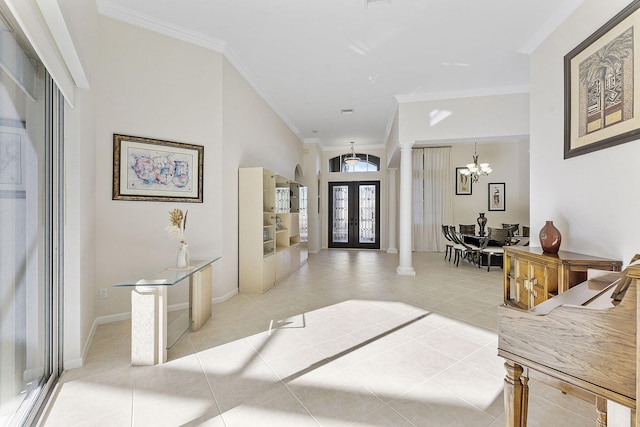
[351,159]
[475,170]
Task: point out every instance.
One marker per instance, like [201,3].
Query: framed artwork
[463,182]
[602,101]
[13,168]
[155,170]
[497,196]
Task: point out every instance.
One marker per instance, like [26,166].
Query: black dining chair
[515,228]
[458,248]
[467,229]
[463,249]
[449,242]
[499,237]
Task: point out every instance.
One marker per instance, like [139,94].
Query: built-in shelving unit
[269,203]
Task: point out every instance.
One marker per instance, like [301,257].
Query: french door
[354,214]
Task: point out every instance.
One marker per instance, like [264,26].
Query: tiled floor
[353,344]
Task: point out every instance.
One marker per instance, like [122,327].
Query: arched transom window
[367,163]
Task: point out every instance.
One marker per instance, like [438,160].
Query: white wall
[311,164]
[471,118]
[80,184]
[153,86]
[510,164]
[253,136]
[591,198]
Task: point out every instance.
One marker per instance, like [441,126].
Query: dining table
[476,240]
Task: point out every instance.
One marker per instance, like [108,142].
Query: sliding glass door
[30,129]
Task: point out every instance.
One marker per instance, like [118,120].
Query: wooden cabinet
[532,276]
[268,274]
[269,229]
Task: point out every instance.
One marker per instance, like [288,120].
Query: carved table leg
[601,409]
[516,395]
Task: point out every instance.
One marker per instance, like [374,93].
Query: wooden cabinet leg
[516,395]
[601,409]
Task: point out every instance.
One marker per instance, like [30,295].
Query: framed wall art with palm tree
[601,97]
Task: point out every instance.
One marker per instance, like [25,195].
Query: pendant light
[351,159]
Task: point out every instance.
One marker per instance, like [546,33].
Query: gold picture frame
[602,98]
[155,170]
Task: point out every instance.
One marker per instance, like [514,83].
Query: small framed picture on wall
[497,196]
[463,182]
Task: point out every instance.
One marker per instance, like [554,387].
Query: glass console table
[151,331]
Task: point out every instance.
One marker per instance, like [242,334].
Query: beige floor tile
[333,398]
[385,417]
[283,410]
[451,345]
[431,405]
[476,387]
[390,374]
[352,343]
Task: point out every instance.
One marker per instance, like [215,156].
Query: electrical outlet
[103,294]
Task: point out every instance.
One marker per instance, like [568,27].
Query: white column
[405,268]
[393,203]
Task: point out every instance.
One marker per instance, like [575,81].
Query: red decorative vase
[550,238]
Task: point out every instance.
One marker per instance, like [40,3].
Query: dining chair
[448,243]
[464,250]
[515,228]
[458,247]
[501,237]
[467,229]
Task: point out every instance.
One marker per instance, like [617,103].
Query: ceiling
[311,59]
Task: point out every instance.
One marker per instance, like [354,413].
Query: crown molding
[244,72]
[135,18]
[391,118]
[473,93]
[358,148]
[550,25]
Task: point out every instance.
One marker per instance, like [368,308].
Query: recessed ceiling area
[311,60]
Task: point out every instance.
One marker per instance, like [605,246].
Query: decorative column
[406,183]
[392,203]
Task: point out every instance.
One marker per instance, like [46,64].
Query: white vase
[182,258]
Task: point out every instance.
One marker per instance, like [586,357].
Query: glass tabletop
[170,275]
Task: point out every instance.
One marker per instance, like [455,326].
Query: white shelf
[278,199]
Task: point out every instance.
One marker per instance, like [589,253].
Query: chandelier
[351,159]
[475,169]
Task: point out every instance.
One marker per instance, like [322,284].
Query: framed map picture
[13,158]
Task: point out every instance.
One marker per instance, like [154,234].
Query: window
[368,163]
[30,217]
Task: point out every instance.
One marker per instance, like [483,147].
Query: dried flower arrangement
[178,224]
